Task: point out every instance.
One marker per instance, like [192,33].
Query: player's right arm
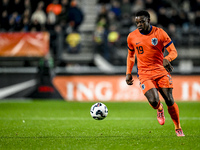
[129,67]
[130,62]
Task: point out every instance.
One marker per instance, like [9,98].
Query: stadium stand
[179,19]
[103,26]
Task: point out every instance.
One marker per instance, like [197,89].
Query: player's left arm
[170,57]
[172,52]
[169,45]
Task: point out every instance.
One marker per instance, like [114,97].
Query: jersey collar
[149,30]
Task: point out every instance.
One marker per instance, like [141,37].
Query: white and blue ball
[99,111]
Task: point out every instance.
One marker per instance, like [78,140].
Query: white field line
[108,118]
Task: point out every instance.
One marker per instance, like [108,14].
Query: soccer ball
[99,111]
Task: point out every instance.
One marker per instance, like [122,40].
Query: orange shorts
[160,82]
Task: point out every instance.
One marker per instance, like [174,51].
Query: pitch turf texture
[69,126]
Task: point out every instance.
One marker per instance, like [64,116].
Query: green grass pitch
[60,125]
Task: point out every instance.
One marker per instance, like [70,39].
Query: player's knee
[153,97]
[154,101]
[169,101]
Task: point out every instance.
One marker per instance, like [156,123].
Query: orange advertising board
[114,88]
[21,44]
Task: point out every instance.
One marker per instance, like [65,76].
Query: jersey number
[140,50]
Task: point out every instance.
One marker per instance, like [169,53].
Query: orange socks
[174,113]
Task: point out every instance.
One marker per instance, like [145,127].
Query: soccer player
[148,43]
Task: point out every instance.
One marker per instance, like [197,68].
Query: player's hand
[129,79]
[167,65]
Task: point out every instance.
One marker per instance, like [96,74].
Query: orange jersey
[149,50]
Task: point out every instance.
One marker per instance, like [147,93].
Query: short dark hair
[143,13]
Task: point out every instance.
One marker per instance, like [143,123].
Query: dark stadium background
[102,26]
